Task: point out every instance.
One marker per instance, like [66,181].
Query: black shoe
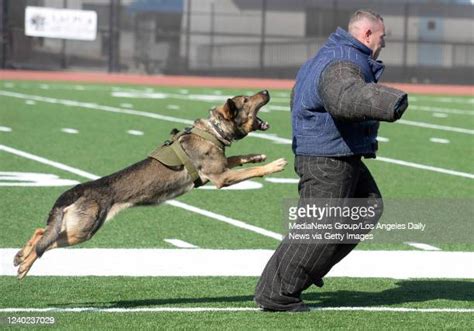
[298,309]
[319,282]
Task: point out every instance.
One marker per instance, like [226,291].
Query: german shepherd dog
[79,212]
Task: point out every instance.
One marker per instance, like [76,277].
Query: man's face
[375,38]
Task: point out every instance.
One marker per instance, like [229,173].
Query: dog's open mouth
[262,125]
[259,123]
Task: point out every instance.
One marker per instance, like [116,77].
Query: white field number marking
[33,179]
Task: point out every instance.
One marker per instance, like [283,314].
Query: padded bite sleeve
[346,96]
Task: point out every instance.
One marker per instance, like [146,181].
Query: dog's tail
[51,234]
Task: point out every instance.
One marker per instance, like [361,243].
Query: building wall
[289,26]
[225,37]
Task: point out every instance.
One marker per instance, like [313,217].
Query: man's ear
[368,33]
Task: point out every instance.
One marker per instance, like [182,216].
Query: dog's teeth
[262,125]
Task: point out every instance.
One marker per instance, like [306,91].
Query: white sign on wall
[60,23]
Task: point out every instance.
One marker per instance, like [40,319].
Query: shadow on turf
[407,291]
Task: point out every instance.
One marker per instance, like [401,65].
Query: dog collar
[222,136]
[207,136]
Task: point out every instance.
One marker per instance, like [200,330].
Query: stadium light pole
[3,32]
[114,35]
[406,15]
[262,36]
[188,32]
[63,44]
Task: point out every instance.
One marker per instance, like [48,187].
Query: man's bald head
[367,26]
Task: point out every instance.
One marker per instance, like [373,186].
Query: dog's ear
[229,109]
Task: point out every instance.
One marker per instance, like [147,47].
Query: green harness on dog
[172,154]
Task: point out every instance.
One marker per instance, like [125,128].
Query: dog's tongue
[262,125]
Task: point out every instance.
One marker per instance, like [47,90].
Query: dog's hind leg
[28,248]
[81,225]
[44,236]
[66,227]
[29,253]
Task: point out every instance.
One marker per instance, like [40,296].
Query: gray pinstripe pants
[296,266]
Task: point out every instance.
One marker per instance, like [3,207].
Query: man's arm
[346,96]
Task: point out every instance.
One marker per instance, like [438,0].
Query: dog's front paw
[277,165]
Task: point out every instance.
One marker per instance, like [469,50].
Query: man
[336,105]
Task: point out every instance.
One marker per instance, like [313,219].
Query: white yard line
[180,262]
[436,126]
[94,106]
[424,247]
[271,137]
[441,110]
[280,108]
[442,99]
[180,243]
[425,167]
[224,309]
[226,219]
[397,309]
[174,203]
